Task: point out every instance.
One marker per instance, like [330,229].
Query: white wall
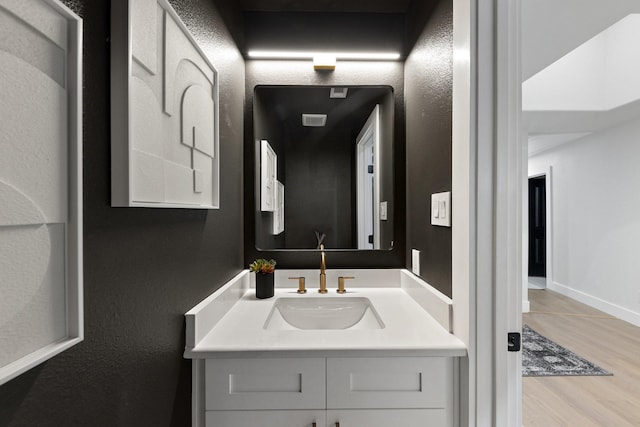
[623,62]
[574,82]
[596,219]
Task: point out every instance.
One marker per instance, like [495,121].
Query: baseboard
[622,313]
[526,306]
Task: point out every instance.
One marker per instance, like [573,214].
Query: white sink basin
[323,313]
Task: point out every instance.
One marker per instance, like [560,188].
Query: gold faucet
[323,275]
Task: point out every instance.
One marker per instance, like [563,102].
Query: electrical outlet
[415,261]
[383,211]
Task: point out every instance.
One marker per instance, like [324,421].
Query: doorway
[538,246]
[365,193]
[368,182]
[537,233]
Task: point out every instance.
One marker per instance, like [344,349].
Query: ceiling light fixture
[359,56]
[324,62]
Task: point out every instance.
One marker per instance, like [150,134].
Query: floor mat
[542,357]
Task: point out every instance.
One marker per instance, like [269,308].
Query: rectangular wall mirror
[334,147]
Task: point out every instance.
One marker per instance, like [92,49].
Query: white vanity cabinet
[331,391]
[249,372]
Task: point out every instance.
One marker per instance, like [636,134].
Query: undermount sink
[326,313]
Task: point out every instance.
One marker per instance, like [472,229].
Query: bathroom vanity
[381,354]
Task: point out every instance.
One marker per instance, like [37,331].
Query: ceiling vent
[315,120]
[339,92]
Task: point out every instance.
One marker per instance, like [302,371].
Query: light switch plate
[441,209]
[415,261]
[383,211]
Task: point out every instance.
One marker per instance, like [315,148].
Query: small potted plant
[264,277]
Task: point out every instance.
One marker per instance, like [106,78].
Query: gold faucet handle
[341,279]
[301,288]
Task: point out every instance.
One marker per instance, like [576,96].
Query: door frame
[545,171]
[487,208]
[370,129]
[508,209]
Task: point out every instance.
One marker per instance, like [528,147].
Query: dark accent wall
[347,73]
[381,6]
[320,189]
[429,82]
[143,268]
[378,32]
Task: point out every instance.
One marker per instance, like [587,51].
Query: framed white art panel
[268,177]
[164,111]
[41,307]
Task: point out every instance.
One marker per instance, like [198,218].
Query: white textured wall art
[268,177]
[40,183]
[164,111]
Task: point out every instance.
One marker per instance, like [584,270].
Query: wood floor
[604,340]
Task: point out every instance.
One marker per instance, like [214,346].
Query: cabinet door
[265,418]
[387,418]
[389,382]
[256,384]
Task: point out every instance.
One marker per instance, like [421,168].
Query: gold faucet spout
[323,275]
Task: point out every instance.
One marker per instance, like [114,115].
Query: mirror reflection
[324,167]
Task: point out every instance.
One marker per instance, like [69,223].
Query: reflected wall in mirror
[335,159]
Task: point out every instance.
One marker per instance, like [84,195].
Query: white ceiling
[553,28]
[600,74]
[567,91]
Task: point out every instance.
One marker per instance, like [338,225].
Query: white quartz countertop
[408,329]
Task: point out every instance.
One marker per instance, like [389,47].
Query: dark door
[537,227]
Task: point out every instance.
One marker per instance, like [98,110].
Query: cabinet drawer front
[387,418]
[265,384]
[400,382]
[265,418]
